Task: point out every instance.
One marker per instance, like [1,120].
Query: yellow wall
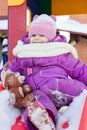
[15,2]
[65,7]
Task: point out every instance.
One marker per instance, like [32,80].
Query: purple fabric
[49,71]
[62,73]
[49,76]
[59,38]
[25,39]
[0,73]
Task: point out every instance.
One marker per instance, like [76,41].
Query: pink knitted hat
[43,25]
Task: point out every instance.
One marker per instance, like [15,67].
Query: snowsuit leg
[71,87]
[47,103]
[62,91]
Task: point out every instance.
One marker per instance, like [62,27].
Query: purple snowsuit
[63,73]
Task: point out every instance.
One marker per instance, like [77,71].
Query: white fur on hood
[43,49]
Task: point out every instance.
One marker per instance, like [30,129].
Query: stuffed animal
[13,82]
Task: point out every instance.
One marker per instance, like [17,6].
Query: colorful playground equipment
[17,15]
[16,24]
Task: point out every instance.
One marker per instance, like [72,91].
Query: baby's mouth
[36,42]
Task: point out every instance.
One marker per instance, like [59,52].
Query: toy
[13,83]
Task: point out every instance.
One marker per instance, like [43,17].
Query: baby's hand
[6,65]
[28,99]
[26,89]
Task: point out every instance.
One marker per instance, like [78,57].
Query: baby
[52,69]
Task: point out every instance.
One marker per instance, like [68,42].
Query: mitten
[26,100]
[26,89]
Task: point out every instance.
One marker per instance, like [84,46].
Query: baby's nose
[36,37]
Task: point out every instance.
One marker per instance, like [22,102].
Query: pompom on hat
[43,25]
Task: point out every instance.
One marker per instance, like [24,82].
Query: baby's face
[38,39]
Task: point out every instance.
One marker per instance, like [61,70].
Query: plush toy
[13,82]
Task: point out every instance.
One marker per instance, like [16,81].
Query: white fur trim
[43,49]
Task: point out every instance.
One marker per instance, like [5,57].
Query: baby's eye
[42,35]
[33,35]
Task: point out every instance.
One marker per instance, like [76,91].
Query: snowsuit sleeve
[14,66]
[74,67]
[20,64]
